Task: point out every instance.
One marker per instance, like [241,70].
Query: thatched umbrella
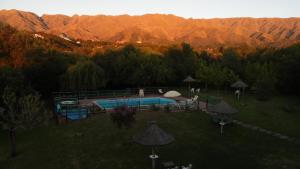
[189,80]
[222,109]
[239,85]
[153,136]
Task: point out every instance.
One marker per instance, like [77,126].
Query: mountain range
[161,29]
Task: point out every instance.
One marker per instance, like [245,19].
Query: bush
[123,116]
[155,107]
[167,108]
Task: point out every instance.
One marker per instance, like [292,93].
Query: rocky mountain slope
[158,28]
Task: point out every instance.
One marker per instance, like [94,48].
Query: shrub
[123,116]
[155,107]
[167,108]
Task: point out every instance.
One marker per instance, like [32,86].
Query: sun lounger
[192,100]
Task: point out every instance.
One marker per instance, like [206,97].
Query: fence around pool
[107,93]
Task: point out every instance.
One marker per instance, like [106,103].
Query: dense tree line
[50,70]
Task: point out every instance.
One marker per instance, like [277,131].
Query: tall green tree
[84,75]
[288,69]
[45,68]
[22,112]
[252,70]
[181,61]
[120,65]
[10,76]
[232,60]
[204,73]
[151,71]
[265,83]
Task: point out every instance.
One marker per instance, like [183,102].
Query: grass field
[271,114]
[97,143]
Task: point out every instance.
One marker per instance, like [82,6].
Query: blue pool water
[133,102]
[73,113]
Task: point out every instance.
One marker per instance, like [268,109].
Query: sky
[183,8]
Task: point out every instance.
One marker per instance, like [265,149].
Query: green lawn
[102,145]
[270,115]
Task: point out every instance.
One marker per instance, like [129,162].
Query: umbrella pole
[153,159]
[189,89]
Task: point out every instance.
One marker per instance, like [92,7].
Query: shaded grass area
[279,114]
[98,143]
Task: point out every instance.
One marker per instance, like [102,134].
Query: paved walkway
[262,130]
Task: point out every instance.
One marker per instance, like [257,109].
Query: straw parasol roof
[222,108]
[172,94]
[189,79]
[239,84]
[153,136]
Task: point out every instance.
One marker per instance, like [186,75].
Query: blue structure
[72,112]
[133,102]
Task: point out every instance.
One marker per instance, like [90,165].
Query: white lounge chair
[192,90]
[198,90]
[192,101]
[195,98]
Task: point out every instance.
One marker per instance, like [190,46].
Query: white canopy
[172,94]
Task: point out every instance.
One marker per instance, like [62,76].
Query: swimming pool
[72,113]
[75,114]
[133,102]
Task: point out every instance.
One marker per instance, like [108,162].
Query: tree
[230,77]
[45,68]
[289,69]
[181,62]
[231,60]
[84,75]
[204,73]
[151,71]
[23,112]
[120,65]
[265,84]
[218,76]
[204,55]
[251,72]
[10,77]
